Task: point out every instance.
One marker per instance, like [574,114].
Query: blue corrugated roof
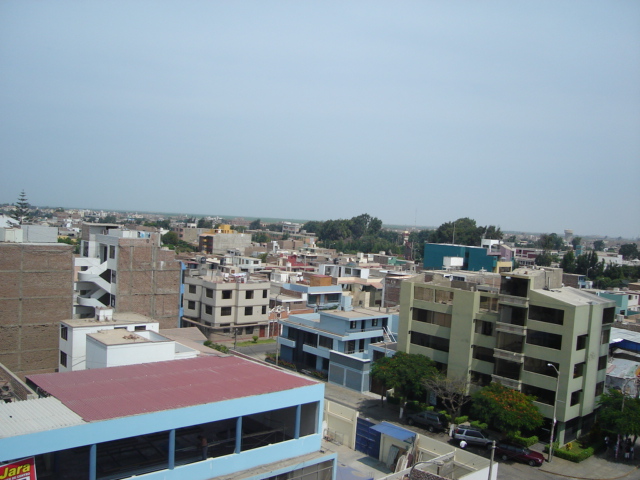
[394,431]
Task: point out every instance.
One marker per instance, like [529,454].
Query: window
[208,292]
[435,318]
[484,328]
[350,347]
[248,330]
[248,294]
[265,293]
[444,297]
[192,289]
[578,370]
[426,294]
[248,311]
[139,328]
[575,397]
[488,304]
[226,294]
[608,314]
[541,367]
[544,339]
[374,322]
[64,331]
[63,359]
[353,324]
[605,335]
[599,388]
[225,311]
[208,309]
[581,342]
[602,362]
[480,379]
[191,305]
[264,310]
[545,314]
[430,341]
[325,342]
[484,354]
[542,394]
[112,251]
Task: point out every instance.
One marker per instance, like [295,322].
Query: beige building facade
[509,334]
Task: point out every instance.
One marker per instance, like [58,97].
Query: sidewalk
[597,467]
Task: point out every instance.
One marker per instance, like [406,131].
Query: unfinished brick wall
[36,292]
[148,281]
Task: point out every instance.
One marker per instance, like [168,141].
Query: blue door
[367,440]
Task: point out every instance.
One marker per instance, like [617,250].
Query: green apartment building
[507,328]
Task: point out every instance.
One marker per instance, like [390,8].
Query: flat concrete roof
[126,318]
[118,337]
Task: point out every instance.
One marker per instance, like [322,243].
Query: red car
[509,451]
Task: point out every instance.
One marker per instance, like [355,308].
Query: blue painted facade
[336,343]
[75,451]
[320,298]
[474,258]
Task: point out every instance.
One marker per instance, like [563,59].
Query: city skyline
[524,116]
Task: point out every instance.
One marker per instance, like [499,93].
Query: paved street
[599,467]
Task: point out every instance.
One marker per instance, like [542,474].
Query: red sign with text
[21,470]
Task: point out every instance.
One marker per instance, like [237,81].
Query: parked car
[472,436]
[509,451]
[432,421]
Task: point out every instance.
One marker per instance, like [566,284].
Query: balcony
[507,355]
[511,328]
[513,300]
[507,382]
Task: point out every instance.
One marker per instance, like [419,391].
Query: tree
[614,418]
[405,373]
[550,241]
[568,263]
[21,209]
[260,237]
[598,245]
[544,259]
[629,251]
[506,409]
[575,241]
[170,238]
[202,223]
[451,391]
[255,225]
[463,231]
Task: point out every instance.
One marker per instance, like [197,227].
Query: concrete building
[336,342]
[200,418]
[226,307]
[36,292]
[491,257]
[129,271]
[321,294]
[509,335]
[219,240]
[114,339]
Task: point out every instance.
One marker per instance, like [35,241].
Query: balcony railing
[513,300]
[511,328]
[507,355]
[507,382]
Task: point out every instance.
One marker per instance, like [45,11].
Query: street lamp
[555,405]
[439,463]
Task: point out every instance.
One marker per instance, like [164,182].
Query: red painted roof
[113,392]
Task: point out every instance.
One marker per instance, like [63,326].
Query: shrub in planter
[463,419]
[524,441]
[478,424]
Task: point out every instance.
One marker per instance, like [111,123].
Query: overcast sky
[524,115]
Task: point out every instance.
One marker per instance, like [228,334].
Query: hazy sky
[519,114]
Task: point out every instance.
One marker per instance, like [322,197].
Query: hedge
[574,454]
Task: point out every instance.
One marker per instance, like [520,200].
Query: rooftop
[114,392]
[125,318]
[118,337]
